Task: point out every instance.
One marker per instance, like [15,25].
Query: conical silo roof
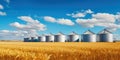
[42,35]
[105,31]
[60,33]
[50,34]
[73,33]
[88,32]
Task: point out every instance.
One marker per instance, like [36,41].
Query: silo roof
[105,31]
[73,33]
[88,32]
[42,35]
[60,33]
[49,34]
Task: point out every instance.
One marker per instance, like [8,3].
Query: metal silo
[60,37]
[89,36]
[42,38]
[26,39]
[73,37]
[50,38]
[105,36]
[33,39]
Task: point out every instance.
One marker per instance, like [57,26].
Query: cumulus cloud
[65,22]
[104,16]
[76,15]
[1,7]
[31,26]
[49,19]
[100,19]
[12,35]
[118,17]
[89,11]
[80,14]
[30,29]
[2,13]
[28,19]
[86,22]
[59,20]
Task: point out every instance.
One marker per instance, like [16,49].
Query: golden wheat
[59,51]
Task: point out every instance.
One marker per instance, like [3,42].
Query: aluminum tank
[73,37]
[59,37]
[33,39]
[105,36]
[50,38]
[27,39]
[42,38]
[89,36]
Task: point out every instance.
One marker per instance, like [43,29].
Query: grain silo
[42,38]
[105,36]
[26,39]
[88,36]
[50,38]
[60,37]
[73,37]
[33,39]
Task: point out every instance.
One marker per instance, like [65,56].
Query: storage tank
[105,36]
[89,36]
[60,37]
[42,38]
[73,37]
[50,38]
[33,39]
[27,39]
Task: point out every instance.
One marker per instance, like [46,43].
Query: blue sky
[18,17]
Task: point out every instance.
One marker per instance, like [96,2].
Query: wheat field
[59,51]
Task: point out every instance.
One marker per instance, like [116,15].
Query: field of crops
[59,51]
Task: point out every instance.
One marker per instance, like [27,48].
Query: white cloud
[28,19]
[31,26]
[76,15]
[65,22]
[4,31]
[100,19]
[80,14]
[118,17]
[59,21]
[2,13]
[1,7]
[86,22]
[104,16]
[89,11]
[12,35]
[49,19]
[112,26]
[18,25]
